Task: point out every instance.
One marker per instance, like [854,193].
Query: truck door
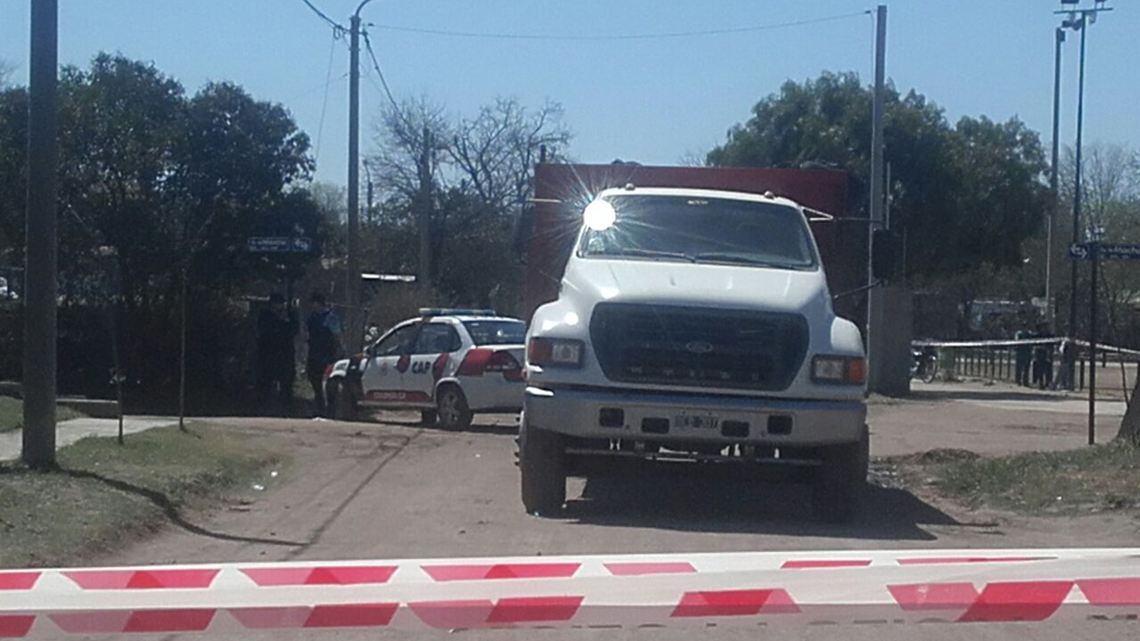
[434,348]
[383,375]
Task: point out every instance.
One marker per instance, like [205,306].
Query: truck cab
[694,324]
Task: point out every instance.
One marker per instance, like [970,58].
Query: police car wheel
[451,408]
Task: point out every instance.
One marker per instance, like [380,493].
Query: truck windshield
[704,230]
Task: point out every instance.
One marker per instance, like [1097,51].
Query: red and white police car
[448,363]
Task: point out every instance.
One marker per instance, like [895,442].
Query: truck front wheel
[841,480]
[542,462]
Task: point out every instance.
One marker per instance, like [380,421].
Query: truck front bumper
[664,417]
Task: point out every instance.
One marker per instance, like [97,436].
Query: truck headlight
[555,352]
[839,370]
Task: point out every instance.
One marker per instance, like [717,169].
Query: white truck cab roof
[681,192]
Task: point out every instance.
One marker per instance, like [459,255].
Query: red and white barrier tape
[766,587]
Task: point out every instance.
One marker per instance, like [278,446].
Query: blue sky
[654,101]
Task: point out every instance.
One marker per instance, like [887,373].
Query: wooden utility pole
[353,324]
[875,299]
[40,273]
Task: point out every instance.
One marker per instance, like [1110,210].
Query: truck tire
[542,464]
[343,404]
[841,480]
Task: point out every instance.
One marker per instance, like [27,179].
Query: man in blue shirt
[323,329]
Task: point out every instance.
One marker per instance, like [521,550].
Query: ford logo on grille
[699,347]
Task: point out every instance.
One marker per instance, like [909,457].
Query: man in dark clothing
[323,329]
[276,329]
[1043,359]
[1022,356]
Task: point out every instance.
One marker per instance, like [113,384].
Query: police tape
[766,588]
[1025,342]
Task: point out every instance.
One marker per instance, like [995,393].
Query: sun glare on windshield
[705,230]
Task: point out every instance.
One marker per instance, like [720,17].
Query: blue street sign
[1106,251]
[1119,251]
[279,245]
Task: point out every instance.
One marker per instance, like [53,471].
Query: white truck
[694,324]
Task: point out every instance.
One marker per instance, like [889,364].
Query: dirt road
[393,489]
[988,419]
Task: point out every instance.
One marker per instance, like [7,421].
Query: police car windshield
[496,332]
[704,230]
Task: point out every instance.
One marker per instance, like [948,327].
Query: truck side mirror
[884,255]
[524,228]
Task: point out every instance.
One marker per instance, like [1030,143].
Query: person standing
[1043,359]
[1023,353]
[323,329]
[276,330]
[1065,370]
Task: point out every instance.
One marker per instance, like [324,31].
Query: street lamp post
[1053,177]
[1078,19]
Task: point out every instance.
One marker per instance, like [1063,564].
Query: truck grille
[668,345]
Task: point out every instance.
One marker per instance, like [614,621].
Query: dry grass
[105,495]
[1092,479]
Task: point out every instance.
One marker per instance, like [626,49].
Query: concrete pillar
[892,321]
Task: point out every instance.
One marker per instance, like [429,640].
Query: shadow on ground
[171,510]
[699,498]
[489,424]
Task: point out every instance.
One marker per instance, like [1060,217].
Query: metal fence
[997,361]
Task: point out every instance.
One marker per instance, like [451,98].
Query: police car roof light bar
[456,311]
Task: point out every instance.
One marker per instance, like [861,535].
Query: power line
[333,23]
[313,89]
[379,72]
[325,100]
[662,35]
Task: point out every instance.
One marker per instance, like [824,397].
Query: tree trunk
[1130,425]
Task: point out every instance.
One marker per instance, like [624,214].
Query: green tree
[119,120]
[238,160]
[13,173]
[963,194]
[172,183]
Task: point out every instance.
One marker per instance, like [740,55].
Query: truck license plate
[697,421]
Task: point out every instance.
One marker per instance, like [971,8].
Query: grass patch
[105,495]
[12,414]
[1099,478]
